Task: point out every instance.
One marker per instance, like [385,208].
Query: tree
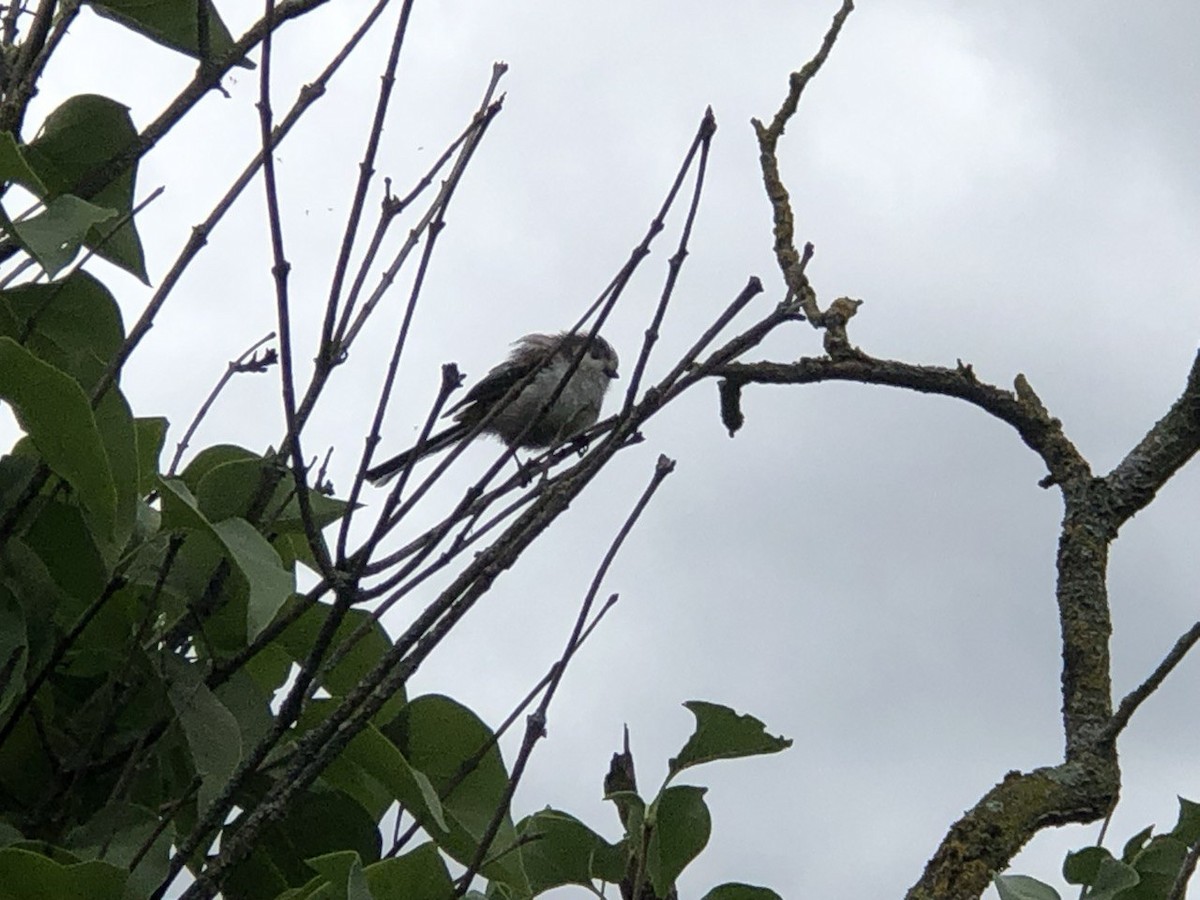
[186,687]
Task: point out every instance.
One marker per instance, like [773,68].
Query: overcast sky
[868,571]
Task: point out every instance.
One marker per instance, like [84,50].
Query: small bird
[518,424]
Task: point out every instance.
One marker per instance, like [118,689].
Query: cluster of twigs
[497,519]
[511,514]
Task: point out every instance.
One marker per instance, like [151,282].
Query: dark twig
[280,270]
[535,728]
[22,77]
[768,138]
[451,379]
[471,764]
[366,170]
[483,117]
[200,233]
[703,141]
[1020,408]
[1171,442]
[1138,695]
[246,362]
[60,650]
[165,817]
[1186,870]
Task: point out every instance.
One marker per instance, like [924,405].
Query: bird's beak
[611,371]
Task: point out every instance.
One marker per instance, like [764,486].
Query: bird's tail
[384,472]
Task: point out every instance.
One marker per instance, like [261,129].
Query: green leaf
[38,600]
[114,420]
[212,731]
[15,168]
[1153,872]
[632,811]
[14,649]
[1082,866]
[269,583]
[1135,844]
[31,876]
[73,324]
[249,704]
[78,139]
[53,237]
[1187,828]
[1022,887]
[54,411]
[372,770]
[344,873]
[735,891]
[565,851]
[231,489]
[117,834]
[64,544]
[172,23]
[723,734]
[211,457]
[151,434]
[418,875]
[437,736]
[26,775]
[9,835]
[258,567]
[317,823]
[362,771]
[299,637]
[680,824]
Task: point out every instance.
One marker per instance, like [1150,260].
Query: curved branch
[1005,818]
[1021,409]
[1083,787]
[1170,443]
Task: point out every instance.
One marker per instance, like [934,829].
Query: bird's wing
[495,384]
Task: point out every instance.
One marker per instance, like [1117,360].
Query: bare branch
[280,270]
[309,94]
[1020,409]
[1172,441]
[535,728]
[247,362]
[790,262]
[708,127]
[1138,695]
[366,171]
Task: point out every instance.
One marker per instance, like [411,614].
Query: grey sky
[868,571]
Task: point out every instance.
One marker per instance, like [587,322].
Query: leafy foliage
[162,677]
[1148,868]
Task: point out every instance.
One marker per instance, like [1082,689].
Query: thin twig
[60,650]
[469,766]
[1138,695]
[22,77]
[243,363]
[703,141]
[536,724]
[1186,870]
[279,270]
[366,169]
[309,94]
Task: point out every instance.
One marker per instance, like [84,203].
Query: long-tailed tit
[517,422]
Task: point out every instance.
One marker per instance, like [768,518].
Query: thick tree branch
[1020,409]
[1172,441]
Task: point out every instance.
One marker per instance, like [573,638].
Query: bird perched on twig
[517,422]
